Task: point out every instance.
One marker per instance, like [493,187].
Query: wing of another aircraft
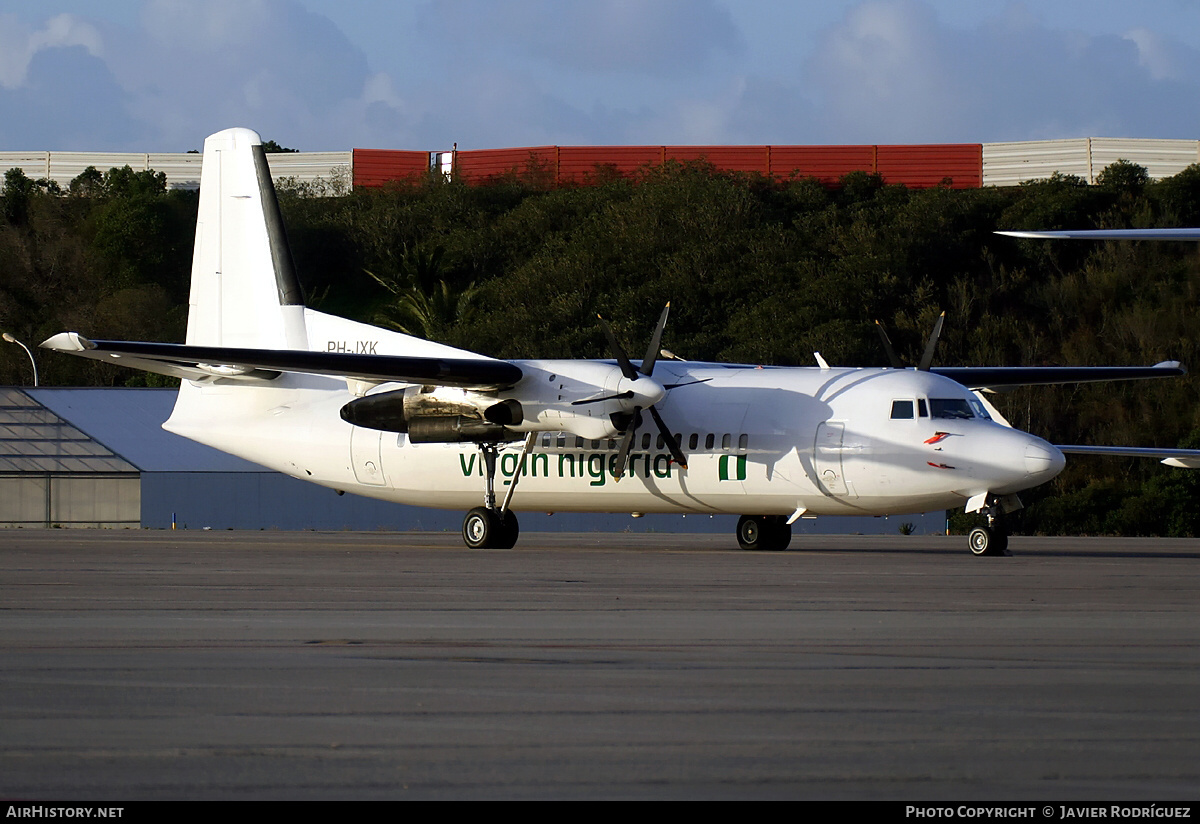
[207,362]
[1110,234]
[1183,458]
[1009,377]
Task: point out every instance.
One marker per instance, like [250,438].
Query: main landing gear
[993,538]
[485,528]
[489,526]
[766,532]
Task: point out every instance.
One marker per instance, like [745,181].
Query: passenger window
[709,440]
[725,441]
[693,441]
[902,410]
[646,440]
[742,441]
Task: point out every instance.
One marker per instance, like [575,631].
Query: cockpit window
[902,410]
[950,408]
[980,411]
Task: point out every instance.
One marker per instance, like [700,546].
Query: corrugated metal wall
[375,167]
[1009,164]
[182,169]
[825,163]
[579,164]
[70,500]
[477,166]
[916,166]
[966,165]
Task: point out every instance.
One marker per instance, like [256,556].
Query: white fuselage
[767,441]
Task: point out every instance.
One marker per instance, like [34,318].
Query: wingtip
[67,342]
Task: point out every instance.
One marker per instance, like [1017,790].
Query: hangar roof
[34,439]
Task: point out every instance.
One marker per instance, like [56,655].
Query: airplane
[378,413]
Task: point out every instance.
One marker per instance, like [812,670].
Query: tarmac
[143,665]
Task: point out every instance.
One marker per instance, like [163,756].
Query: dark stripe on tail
[290,293]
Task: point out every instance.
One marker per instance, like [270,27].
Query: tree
[270,146]
[18,189]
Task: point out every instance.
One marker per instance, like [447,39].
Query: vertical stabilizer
[244,287]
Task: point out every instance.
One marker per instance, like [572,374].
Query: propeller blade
[927,358]
[676,453]
[626,367]
[617,397]
[893,358]
[626,445]
[655,342]
[669,386]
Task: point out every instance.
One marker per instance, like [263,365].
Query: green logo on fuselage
[595,466]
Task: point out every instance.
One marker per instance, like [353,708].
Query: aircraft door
[827,458]
[366,455]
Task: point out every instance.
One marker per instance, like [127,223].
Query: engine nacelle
[437,414]
[456,429]
[589,399]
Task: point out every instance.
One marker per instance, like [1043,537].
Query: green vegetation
[757,271]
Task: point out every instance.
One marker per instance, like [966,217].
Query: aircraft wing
[208,362]
[1185,458]
[1010,377]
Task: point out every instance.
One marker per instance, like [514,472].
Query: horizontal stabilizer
[1011,377]
[207,362]
[1184,458]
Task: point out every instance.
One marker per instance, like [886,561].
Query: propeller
[650,392]
[930,346]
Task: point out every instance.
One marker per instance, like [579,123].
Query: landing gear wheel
[986,540]
[763,532]
[749,532]
[485,528]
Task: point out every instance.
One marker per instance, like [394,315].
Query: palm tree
[426,304]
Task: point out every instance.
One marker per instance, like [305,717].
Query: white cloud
[891,71]
[19,44]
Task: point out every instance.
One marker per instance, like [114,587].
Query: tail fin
[244,287]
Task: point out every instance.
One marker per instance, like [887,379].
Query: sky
[332,75]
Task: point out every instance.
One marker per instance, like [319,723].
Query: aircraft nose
[1011,461]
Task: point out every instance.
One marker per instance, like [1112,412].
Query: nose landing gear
[993,538]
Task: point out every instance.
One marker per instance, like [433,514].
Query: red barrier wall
[917,166]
